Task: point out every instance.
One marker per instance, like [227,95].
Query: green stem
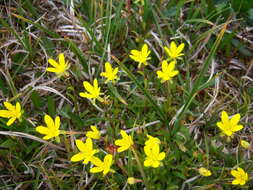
[140,168]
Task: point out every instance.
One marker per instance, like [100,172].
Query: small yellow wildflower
[167,71]
[152,140]
[173,51]
[229,126]
[104,166]
[125,143]
[94,134]
[59,68]
[52,129]
[12,112]
[245,144]
[141,56]
[86,151]
[110,73]
[205,172]
[154,156]
[93,92]
[241,177]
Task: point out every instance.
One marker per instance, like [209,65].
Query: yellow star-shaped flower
[140,56]
[93,92]
[59,68]
[229,126]
[104,166]
[86,151]
[52,128]
[94,134]
[110,73]
[12,112]
[173,51]
[241,177]
[154,156]
[125,143]
[168,71]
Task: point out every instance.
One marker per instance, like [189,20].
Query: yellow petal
[5,113]
[51,69]
[9,106]
[147,163]
[235,182]
[135,53]
[86,95]
[173,46]
[77,157]
[11,120]
[155,164]
[224,117]
[144,49]
[108,67]
[180,48]
[96,161]
[62,59]
[88,87]
[161,156]
[81,146]
[18,107]
[95,84]
[49,121]
[57,122]
[53,63]
[235,119]
[237,128]
[96,169]
[122,148]
[42,130]
[171,66]
[164,66]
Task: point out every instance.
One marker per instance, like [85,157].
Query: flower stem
[140,168]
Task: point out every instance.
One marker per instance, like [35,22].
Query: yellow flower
[167,71]
[154,156]
[140,56]
[241,177]
[173,51]
[12,112]
[152,140]
[205,172]
[110,73]
[229,126]
[125,143]
[93,92]
[86,151]
[104,166]
[245,144]
[94,134]
[52,129]
[59,68]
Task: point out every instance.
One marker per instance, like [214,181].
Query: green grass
[214,75]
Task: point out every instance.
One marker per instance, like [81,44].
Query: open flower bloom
[241,177]
[52,128]
[110,73]
[12,112]
[204,172]
[140,56]
[245,144]
[125,143]
[59,68]
[104,166]
[152,140]
[173,51]
[86,151]
[229,126]
[93,92]
[168,71]
[154,156]
[94,134]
